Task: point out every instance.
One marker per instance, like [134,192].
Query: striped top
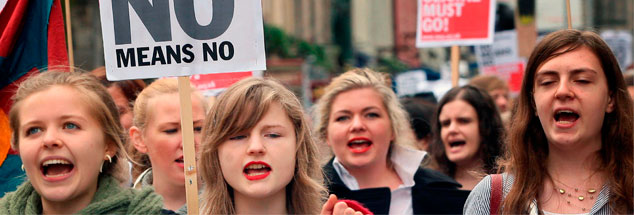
[479,198]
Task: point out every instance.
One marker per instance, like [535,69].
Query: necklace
[574,194]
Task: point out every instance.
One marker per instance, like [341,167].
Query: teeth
[358,141]
[256,166]
[254,174]
[57,161]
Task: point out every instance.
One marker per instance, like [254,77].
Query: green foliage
[278,43]
[391,65]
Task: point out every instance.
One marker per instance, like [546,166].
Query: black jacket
[433,193]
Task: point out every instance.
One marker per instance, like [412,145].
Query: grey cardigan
[478,201]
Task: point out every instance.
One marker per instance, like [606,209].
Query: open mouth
[256,170]
[566,117]
[359,145]
[180,161]
[457,143]
[56,168]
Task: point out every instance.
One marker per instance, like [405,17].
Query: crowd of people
[563,146]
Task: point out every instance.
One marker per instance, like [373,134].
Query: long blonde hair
[141,110]
[97,99]
[239,109]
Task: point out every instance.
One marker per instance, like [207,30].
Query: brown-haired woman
[570,140]
[257,154]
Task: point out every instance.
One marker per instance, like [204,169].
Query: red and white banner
[214,83]
[454,22]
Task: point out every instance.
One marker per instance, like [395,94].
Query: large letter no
[220,21]
[155,18]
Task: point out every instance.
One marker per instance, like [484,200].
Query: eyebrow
[271,126]
[364,110]
[574,71]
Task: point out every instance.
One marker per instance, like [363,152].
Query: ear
[610,106]
[137,139]
[111,149]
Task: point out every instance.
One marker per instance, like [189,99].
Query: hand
[337,208]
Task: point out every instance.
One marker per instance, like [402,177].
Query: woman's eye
[545,83]
[70,125]
[170,131]
[445,123]
[373,115]
[273,135]
[583,81]
[198,129]
[238,137]
[33,130]
[464,120]
[341,118]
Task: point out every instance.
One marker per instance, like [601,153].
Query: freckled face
[571,97]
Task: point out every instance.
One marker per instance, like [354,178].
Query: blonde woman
[67,131]
[360,118]
[156,136]
[257,153]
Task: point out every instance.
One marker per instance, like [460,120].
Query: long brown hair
[527,143]
[239,109]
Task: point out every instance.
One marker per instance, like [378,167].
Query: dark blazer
[433,193]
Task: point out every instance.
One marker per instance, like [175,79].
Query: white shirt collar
[404,160]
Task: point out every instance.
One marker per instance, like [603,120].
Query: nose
[501,102]
[564,91]
[452,128]
[256,147]
[357,124]
[51,139]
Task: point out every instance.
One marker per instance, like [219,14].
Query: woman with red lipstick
[67,131]
[469,134]
[257,153]
[361,119]
[570,140]
[158,142]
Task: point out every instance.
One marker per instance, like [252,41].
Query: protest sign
[214,83]
[620,42]
[158,38]
[502,59]
[454,22]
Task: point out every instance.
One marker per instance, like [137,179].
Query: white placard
[503,50]
[159,38]
[620,43]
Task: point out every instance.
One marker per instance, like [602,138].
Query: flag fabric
[32,38]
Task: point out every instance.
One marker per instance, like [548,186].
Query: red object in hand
[357,206]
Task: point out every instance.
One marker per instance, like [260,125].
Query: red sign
[513,72]
[211,83]
[454,22]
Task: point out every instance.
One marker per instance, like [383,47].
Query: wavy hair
[528,148]
[239,109]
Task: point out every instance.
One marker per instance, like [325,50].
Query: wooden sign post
[189,151]
[455,64]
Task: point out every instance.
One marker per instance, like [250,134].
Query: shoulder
[479,199]
[431,178]
[144,201]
